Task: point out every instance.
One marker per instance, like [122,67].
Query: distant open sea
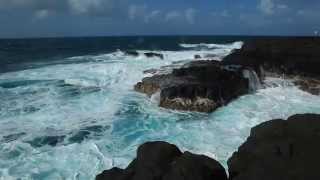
[68,109]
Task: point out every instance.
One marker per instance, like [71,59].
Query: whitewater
[73,119]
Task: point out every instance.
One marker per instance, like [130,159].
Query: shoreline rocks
[277,149]
[164,161]
[289,56]
[204,86]
[198,86]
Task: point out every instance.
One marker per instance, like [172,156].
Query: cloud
[136,11]
[41,14]
[173,15]
[70,7]
[267,6]
[190,15]
[153,15]
[84,6]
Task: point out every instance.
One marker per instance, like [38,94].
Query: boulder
[279,150]
[164,161]
[198,86]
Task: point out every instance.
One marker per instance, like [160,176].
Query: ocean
[68,109]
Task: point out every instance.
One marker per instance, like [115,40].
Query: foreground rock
[279,150]
[163,161]
[289,56]
[199,86]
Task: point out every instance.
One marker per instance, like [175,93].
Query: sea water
[76,114]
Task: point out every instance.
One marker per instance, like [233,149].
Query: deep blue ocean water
[68,109]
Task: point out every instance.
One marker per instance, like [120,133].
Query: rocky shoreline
[204,86]
[277,149]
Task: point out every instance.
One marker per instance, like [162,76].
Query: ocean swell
[73,120]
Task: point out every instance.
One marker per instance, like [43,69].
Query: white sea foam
[98,91]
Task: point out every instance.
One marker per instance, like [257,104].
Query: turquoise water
[80,115]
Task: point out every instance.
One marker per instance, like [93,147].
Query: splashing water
[73,120]
[254,80]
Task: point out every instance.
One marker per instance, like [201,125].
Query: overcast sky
[43,18]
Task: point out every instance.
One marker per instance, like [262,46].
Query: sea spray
[254,80]
[61,105]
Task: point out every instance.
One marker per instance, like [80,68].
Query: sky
[62,18]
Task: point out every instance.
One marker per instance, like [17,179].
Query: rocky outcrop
[198,86]
[279,150]
[289,56]
[164,161]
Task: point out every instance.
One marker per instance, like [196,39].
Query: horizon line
[155,35]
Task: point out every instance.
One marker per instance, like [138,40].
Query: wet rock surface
[197,86]
[164,161]
[290,56]
[279,150]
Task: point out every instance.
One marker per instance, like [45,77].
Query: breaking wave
[73,120]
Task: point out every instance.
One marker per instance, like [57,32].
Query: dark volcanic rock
[197,56]
[199,86]
[164,161]
[190,167]
[289,56]
[279,150]
[152,54]
[147,54]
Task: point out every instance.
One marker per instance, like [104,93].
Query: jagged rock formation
[297,58]
[164,161]
[198,86]
[279,150]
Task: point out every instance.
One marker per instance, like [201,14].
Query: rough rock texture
[198,86]
[290,56]
[279,150]
[311,85]
[164,161]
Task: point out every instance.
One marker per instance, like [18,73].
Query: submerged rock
[147,54]
[197,56]
[152,54]
[198,86]
[164,161]
[279,150]
[46,140]
[132,53]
